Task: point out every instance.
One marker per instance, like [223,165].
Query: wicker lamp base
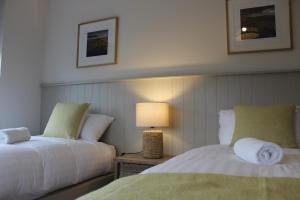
[153,144]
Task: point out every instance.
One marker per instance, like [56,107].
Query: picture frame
[258,26]
[97,43]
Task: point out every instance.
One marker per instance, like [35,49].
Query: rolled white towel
[258,151]
[14,135]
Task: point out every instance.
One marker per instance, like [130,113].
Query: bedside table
[131,164]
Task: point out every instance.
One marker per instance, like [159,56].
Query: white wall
[1,30]
[157,37]
[22,57]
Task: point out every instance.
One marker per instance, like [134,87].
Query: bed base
[75,191]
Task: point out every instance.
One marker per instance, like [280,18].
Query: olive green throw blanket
[198,187]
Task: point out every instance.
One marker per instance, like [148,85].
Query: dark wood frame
[116,42]
[256,51]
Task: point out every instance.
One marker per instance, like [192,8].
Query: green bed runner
[198,186]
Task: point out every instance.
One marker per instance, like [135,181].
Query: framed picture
[258,25]
[97,43]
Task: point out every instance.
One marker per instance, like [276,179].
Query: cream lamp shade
[152,115]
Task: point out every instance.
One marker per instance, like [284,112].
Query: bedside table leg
[117,170]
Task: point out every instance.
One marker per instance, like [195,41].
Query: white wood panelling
[195,102]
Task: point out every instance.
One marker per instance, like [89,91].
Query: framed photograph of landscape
[258,25]
[97,43]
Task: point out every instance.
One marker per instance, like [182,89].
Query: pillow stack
[269,123]
[71,121]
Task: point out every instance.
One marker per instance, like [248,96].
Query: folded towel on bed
[14,135]
[258,151]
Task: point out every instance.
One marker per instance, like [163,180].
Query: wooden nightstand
[131,164]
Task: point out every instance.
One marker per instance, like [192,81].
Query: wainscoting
[195,102]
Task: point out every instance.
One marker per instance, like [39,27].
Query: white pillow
[227,126]
[94,127]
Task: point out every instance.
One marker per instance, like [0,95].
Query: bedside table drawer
[127,169]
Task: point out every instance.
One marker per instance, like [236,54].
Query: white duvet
[220,159]
[31,169]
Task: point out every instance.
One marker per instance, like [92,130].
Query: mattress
[31,169]
[220,159]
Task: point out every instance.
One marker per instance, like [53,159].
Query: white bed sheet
[34,168]
[220,159]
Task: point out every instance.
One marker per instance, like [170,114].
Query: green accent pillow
[66,120]
[270,123]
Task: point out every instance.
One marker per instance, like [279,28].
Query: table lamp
[152,115]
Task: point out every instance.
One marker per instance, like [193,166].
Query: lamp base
[153,144]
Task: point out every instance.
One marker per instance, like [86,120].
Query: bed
[32,169]
[217,172]
[210,172]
